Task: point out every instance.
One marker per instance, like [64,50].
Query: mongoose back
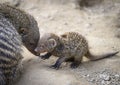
[17,28]
[69,46]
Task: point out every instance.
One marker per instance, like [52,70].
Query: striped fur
[10,52]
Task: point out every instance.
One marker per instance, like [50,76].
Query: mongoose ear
[52,43]
[64,36]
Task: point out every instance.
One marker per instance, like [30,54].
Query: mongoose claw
[55,67]
[74,65]
[44,57]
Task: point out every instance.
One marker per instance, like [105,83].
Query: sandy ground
[99,24]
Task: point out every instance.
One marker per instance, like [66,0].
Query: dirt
[98,23]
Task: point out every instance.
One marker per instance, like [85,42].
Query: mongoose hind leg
[76,62]
[46,56]
[58,63]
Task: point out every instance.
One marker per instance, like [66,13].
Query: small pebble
[104,77]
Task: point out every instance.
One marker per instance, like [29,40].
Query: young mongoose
[17,28]
[69,46]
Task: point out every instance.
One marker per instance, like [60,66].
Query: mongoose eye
[31,42]
[42,46]
[23,31]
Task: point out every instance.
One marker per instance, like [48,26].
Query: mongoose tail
[99,57]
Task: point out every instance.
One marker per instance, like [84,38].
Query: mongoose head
[24,23]
[30,37]
[47,43]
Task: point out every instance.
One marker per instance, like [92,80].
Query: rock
[117,75]
[104,77]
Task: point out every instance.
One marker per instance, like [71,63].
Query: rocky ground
[99,22]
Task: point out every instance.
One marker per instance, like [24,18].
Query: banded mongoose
[17,28]
[24,23]
[71,46]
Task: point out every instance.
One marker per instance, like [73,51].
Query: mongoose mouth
[35,53]
[39,51]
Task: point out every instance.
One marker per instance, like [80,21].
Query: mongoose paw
[74,65]
[44,57]
[55,67]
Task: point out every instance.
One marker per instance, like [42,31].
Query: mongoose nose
[37,53]
[36,50]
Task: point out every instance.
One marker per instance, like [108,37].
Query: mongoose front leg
[46,56]
[58,63]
